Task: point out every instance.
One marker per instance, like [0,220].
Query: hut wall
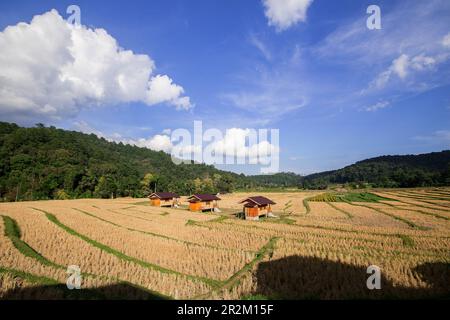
[195,206]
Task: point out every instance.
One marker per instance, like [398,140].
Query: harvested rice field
[318,245]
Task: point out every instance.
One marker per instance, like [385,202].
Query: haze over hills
[47,163]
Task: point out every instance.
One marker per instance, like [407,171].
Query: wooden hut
[202,202]
[257,206]
[163,199]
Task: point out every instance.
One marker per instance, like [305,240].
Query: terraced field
[320,248]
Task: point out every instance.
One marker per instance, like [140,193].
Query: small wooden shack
[202,202]
[257,206]
[163,199]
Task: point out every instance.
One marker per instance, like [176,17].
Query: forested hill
[49,163]
[430,169]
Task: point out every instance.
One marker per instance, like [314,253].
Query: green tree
[149,183]
[105,188]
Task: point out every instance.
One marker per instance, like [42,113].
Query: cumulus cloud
[159,142]
[52,69]
[403,65]
[161,89]
[283,14]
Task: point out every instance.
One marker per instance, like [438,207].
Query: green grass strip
[81,294]
[306,205]
[120,255]
[349,197]
[29,277]
[12,231]
[407,241]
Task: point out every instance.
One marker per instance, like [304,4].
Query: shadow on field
[118,291]
[297,277]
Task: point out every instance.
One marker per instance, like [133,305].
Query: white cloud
[354,43]
[446,40]
[377,106]
[400,66]
[53,69]
[283,14]
[84,127]
[296,158]
[159,142]
[269,94]
[261,47]
[422,62]
[161,89]
[403,65]
[437,137]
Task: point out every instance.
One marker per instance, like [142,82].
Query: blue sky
[337,91]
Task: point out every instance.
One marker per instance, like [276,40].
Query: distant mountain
[430,169]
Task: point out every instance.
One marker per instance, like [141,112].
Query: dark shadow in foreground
[297,277]
[61,292]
